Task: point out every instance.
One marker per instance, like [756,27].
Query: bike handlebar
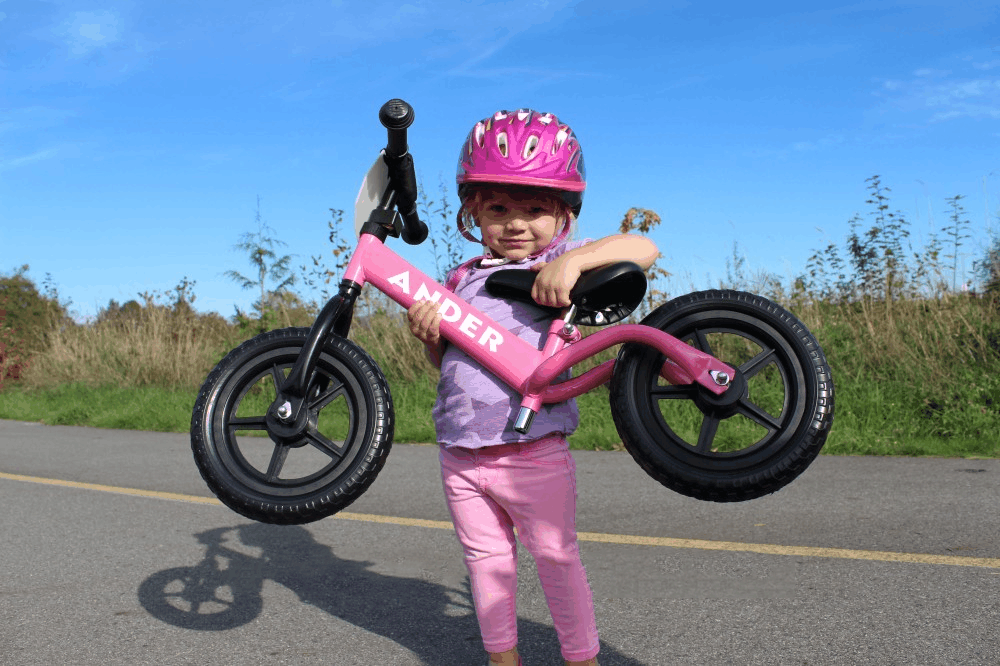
[396,115]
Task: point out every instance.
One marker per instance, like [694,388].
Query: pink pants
[532,487]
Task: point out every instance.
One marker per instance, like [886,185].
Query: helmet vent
[522,114]
[480,134]
[502,143]
[545,118]
[529,147]
[561,137]
[572,161]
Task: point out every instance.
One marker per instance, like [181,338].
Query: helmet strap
[459,272]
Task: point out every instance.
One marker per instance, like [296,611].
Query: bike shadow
[434,621]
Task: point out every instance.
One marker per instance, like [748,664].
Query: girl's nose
[516,221]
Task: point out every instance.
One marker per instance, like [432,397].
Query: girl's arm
[611,249]
[556,278]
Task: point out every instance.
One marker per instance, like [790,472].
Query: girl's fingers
[424,321]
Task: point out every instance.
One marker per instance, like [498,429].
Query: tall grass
[159,346]
[905,373]
[916,365]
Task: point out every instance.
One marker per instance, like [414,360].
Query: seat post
[561,333]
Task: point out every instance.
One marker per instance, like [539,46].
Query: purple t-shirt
[476,409]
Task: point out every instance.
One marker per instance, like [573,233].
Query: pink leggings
[532,487]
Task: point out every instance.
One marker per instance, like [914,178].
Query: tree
[643,220]
[260,248]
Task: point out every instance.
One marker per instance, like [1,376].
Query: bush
[27,317]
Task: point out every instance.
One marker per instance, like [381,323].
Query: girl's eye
[498,209]
[537,210]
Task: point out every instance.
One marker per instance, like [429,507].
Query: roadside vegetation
[915,356]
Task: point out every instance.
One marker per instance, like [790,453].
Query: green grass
[145,408]
[872,418]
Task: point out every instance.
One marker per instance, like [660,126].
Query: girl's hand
[425,322]
[554,281]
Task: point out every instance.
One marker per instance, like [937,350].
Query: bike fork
[336,316]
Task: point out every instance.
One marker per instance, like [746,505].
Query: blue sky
[135,137]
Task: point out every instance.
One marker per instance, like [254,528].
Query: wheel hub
[289,431]
[724,405]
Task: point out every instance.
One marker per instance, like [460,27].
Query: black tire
[292,482]
[698,445]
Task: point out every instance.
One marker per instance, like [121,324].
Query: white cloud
[37,156]
[967,91]
[32,118]
[821,143]
[928,72]
[85,32]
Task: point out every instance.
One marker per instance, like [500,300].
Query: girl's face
[517,223]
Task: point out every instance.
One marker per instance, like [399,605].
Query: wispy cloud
[38,156]
[86,32]
[969,89]
[32,118]
[821,143]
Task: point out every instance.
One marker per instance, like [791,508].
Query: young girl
[521,183]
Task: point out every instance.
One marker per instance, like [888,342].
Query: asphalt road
[859,561]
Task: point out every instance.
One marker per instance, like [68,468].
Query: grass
[913,376]
[875,425]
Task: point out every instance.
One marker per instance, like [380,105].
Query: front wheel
[270,476]
[755,438]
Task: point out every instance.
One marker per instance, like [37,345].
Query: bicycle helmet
[523,147]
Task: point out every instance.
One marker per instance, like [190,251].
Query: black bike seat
[602,296]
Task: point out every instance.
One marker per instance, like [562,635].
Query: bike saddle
[602,296]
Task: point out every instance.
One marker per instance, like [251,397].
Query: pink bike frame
[521,366]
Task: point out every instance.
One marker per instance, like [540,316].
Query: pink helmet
[524,147]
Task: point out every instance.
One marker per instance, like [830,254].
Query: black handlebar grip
[403,180]
[396,115]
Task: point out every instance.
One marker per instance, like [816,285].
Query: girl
[521,183]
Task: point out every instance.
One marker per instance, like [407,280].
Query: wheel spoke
[278,457]
[701,342]
[757,363]
[709,426]
[325,445]
[758,415]
[278,377]
[248,423]
[326,397]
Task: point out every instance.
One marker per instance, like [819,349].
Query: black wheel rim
[278,469]
[768,415]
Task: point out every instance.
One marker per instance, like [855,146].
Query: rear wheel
[279,475]
[756,437]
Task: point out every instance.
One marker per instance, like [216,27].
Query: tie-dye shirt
[474,408]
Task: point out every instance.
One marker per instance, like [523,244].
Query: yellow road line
[111,489]
[598,537]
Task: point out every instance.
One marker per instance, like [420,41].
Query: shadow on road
[434,621]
